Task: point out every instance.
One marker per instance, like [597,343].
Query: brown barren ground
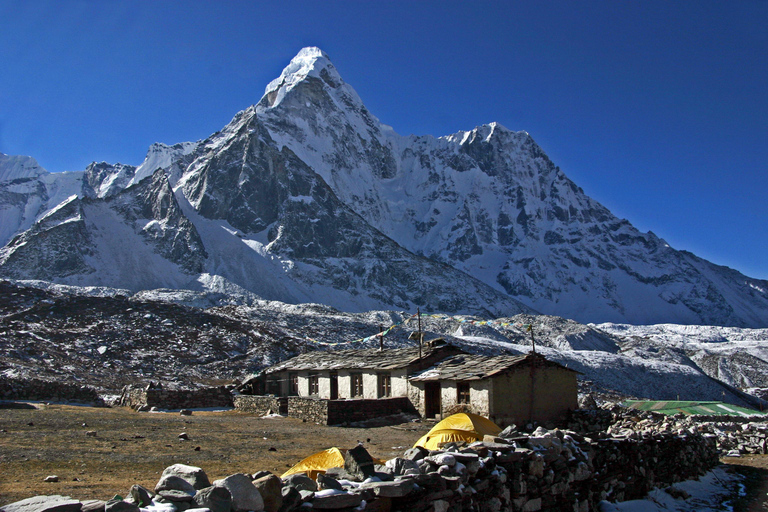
[134,448]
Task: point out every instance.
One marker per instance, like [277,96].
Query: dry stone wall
[136,397]
[542,471]
[261,405]
[36,389]
[337,412]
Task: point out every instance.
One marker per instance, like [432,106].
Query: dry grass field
[133,448]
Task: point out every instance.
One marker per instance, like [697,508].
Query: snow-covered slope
[307,196]
[736,356]
[490,202]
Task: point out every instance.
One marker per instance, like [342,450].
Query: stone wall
[261,405]
[350,411]
[36,389]
[336,412]
[175,398]
[310,409]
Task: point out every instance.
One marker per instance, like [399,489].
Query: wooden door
[334,386]
[432,404]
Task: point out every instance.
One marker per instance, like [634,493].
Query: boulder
[114,505]
[169,482]
[271,490]
[328,482]
[332,499]
[300,482]
[191,474]
[416,453]
[396,489]
[93,506]
[173,496]
[217,499]
[291,499]
[245,496]
[359,463]
[139,495]
[53,503]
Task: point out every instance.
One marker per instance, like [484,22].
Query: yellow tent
[459,427]
[318,463]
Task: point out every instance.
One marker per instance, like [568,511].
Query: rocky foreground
[516,471]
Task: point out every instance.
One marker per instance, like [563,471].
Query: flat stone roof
[476,367]
[353,359]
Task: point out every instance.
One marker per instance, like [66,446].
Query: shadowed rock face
[66,241]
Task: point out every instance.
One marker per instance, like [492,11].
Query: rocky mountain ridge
[307,197]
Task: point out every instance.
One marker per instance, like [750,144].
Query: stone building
[506,389]
[352,374]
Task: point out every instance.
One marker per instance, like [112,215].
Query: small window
[462,391]
[357,384]
[385,385]
[293,384]
[314,384]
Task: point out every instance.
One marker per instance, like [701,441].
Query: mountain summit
[307,197]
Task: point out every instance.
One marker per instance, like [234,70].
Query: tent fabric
[318,463]
[468,422]
[461,427]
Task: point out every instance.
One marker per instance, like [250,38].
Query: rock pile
[544,470]
[734,435]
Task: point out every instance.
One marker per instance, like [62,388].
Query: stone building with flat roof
[506,389]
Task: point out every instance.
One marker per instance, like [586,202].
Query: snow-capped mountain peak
[308,196]
[309,62]
[13,167]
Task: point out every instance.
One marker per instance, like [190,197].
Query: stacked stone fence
[542,471]
[136,397]
[261,405]
[337,412]
[52,391]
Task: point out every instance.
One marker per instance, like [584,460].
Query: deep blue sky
[658,109]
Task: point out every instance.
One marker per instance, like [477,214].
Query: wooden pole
[533,341]
[421,335]
[381,338]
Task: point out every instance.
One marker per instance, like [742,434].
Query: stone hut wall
[261,405]
[335,412]
[310,409]
[36,389]
[176,398]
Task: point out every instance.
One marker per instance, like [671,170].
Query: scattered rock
[245,496]
[359,463]
[53,503]
[51,478]
[171,482]
[194,475]
[217,499]
[270,488]
[120,506]
[300,482]
[139,496]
